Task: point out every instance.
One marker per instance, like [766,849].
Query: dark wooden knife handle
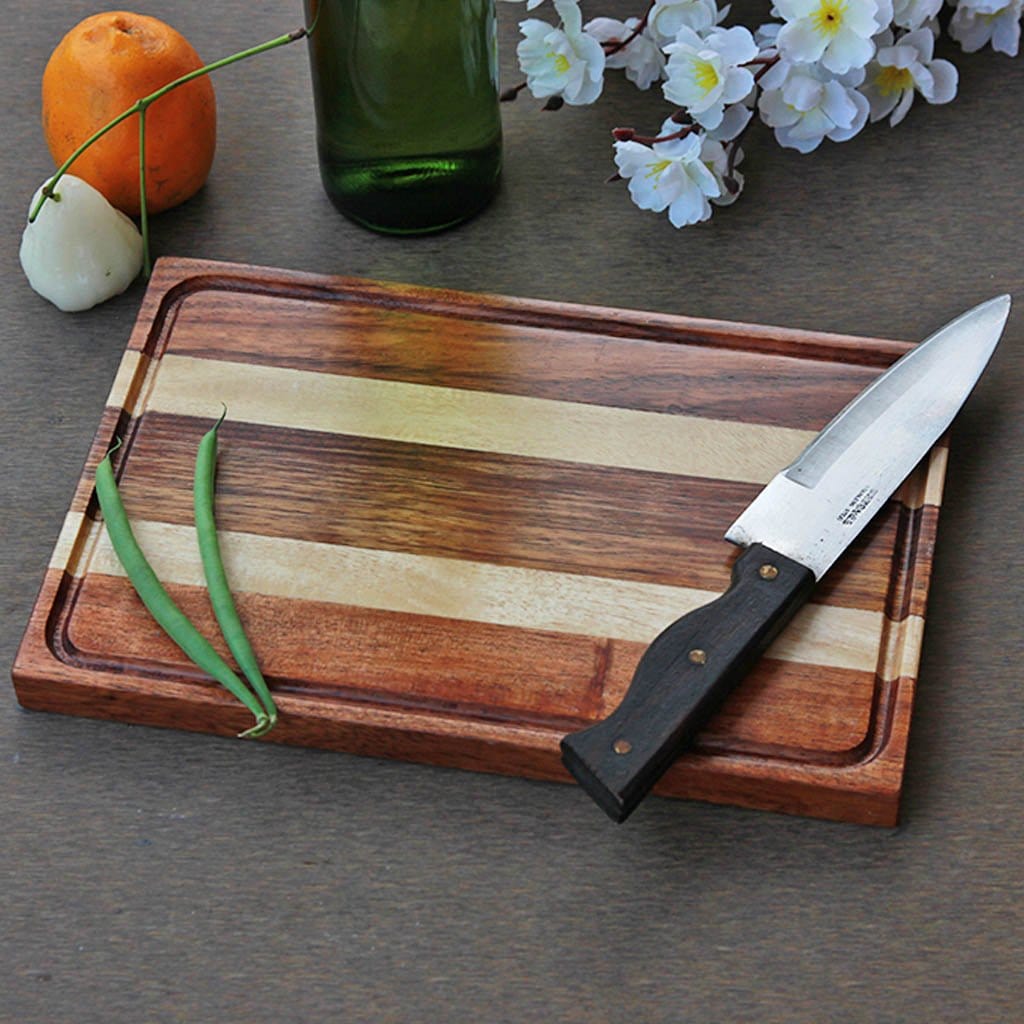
[682,678]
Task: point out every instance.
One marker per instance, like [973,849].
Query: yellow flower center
[828,18]
[657,168]
[890,80]
[561,62]
[705,74]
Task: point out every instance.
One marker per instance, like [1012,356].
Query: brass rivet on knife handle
[768,571]
[697,656]
[622,746]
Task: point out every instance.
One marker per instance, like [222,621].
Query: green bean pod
[216,578]
[171,619]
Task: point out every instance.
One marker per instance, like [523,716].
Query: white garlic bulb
[79,251]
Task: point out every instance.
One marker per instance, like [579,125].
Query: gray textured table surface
[157,876]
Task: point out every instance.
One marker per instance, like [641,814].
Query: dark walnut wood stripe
[501,509]
[454,668]
[352,339]
[912,563]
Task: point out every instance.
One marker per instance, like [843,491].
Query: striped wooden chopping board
[453,522]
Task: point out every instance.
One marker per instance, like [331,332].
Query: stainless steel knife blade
[793,532]
[813,509]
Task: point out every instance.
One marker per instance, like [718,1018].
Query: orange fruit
[98,70]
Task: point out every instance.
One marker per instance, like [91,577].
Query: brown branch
[630,135]
[613,46]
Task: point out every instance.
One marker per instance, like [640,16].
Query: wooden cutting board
[454,521]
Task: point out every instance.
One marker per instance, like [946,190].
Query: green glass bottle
[406,93]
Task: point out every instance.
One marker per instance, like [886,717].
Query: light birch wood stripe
[691,445]
[478,420]
[931,492]
[902,648]
[120,396]
[531,599]
[74,533]
[925,486]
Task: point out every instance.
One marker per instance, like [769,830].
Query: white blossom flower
[977,22]
[804,104]
[530,4]
[914,14]
[79,251]
[734,121]
[564,61]
[836,32]
[901,69]
[669,175]
[820,69]
[667,17]
[642,58]
[716,159]
[705,74]
[767,35]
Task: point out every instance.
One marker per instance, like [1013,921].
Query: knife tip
[1000,304]
[991,316]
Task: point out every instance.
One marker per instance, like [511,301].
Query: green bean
[171,619]
[216,578]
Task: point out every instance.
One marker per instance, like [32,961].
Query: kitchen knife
[792,533]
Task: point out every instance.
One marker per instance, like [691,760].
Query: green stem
[140,106]
[48,188]
[147,265]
